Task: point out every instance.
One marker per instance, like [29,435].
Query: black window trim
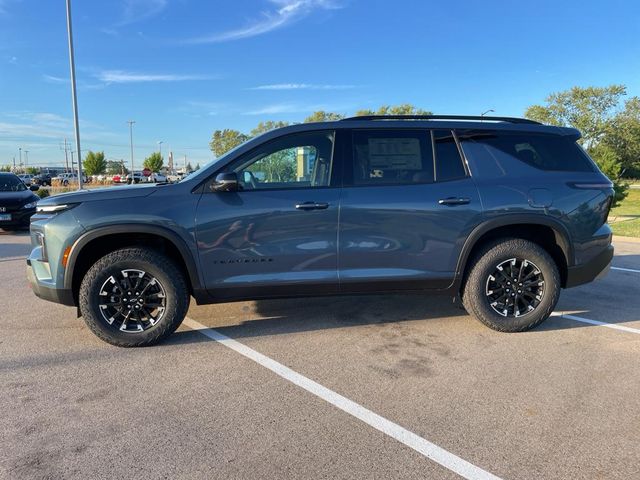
[335,177]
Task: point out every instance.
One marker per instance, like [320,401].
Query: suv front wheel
[133,297]
[512,286]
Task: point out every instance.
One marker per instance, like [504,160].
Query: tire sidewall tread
[156,264]
[484,263]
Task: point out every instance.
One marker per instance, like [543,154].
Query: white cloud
[54,79]
[120,76]
[138,10]
[302,86]
[285,12]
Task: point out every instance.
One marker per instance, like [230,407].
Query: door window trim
[334,178]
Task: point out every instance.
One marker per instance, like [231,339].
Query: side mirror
[34,188]
[225,182]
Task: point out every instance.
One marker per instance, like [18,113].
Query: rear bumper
[57,295]
[595,268]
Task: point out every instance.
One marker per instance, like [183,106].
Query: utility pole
[185,164]
[66,156]
[14,162]
[20,150]
[26,158]
[74,98]
[131,122]
[160,147]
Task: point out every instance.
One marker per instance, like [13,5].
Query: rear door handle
[312,206]
[451,201]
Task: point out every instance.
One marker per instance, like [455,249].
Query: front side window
[294,161]
[392,157]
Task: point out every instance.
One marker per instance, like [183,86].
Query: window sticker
[395,154]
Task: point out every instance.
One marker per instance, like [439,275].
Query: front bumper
[595,268]
[19,218]
[46,292]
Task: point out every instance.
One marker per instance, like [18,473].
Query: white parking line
[410,439]
[615,326]
[625,269]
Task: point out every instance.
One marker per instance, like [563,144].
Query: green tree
[589,109]
[5,168]
[94,163]
[189,168]
[154,162]
[224,140]
[265,127]
[623,136]
[401,109]
[197,167]
[609,163]
[116,167]
[322,116]
[32,170]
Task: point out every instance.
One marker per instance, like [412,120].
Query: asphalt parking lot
[350,387]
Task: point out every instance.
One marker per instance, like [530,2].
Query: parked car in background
[67,178]
[17,202]
[117,178]
[157,177]
[176,177]
[145,176]
[26,178]
[43,179]
[135,177]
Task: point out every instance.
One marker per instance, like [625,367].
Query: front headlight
[54,208]
[30,204]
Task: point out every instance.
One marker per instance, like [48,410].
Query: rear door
[408,204]
[278,234]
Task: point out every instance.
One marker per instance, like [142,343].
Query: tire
[170,290]
[65,183]
[529,257]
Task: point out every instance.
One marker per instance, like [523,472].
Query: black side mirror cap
[34,188]
[225,182]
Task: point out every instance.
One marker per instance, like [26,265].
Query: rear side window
[448,162]
[392,157]
[497,154]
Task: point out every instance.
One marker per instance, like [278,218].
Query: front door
[407,206]
[277,235]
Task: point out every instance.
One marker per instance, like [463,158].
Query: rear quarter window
[493,154]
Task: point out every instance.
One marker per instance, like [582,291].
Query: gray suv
[503,212]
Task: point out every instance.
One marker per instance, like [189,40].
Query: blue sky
[183,68]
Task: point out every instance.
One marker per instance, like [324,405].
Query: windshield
[11,183]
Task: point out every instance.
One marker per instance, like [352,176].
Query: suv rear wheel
[513,285]
[133,297]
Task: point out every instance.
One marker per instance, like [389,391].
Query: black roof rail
[443,117]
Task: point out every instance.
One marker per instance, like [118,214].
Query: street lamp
[74,98]
[131,122]
[491,110]
[20,150]
[26,158]
[160,147]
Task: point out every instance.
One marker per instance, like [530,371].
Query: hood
[16,199]
[109,193]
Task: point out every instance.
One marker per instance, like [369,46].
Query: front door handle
[312,206]
[451,201]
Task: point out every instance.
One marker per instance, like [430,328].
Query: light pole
[26,159]
[160,147]
[131,122]
[20,150]
[491,110]
[74,98]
